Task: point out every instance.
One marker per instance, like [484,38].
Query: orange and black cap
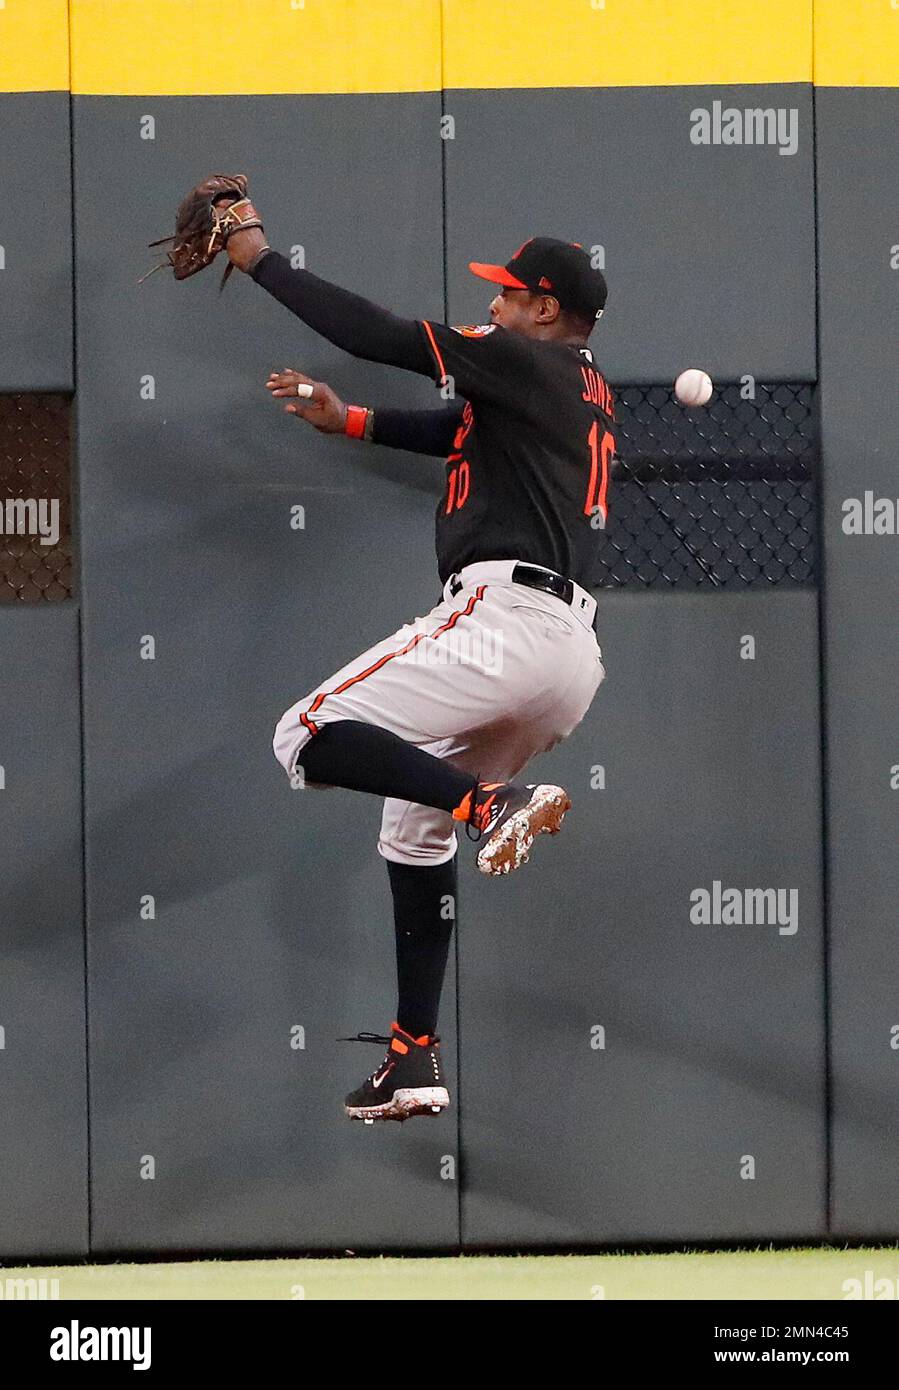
[560,268]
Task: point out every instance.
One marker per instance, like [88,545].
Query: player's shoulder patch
[474,330]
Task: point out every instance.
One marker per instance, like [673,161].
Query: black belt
[534,578]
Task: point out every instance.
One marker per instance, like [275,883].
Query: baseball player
[440,718]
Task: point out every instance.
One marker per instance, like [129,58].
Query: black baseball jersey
[528,470]
[527,475]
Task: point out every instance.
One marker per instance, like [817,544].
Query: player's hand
[244,246]
[324,409]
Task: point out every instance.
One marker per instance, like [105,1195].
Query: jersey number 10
[458,483]
[601,453]
[458,487]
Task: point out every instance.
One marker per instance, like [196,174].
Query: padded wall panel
[709,250]
[43,1084]
[629,1074]
[858,153]
[272,909]
[35,242]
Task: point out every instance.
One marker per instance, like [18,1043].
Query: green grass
[744,1274]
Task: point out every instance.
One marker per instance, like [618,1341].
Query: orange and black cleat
[408,1082]
[510,817]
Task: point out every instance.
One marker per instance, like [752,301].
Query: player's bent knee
[288,740]
[413,834]
[399,852]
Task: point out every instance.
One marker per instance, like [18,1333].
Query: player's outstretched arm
[419,431]
[345,319]
[482,362]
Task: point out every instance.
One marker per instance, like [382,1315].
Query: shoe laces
[381,1038]
[369,1038]
[481,814]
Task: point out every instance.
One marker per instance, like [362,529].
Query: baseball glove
[210,213]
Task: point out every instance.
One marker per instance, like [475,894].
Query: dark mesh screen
[723,496]
[35,466]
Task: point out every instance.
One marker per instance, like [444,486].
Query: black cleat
[409,1081]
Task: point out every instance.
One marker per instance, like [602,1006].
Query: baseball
[304,389]
[693,387]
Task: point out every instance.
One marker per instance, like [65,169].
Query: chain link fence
[35,499]
[724,496]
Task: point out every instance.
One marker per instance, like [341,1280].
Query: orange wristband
[356,416]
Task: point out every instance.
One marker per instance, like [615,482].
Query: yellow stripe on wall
[200,47]
[625,43]
[186,47]
[34,46]
[857,44]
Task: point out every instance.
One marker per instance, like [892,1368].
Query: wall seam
[77,570]
[456,953]
[822,687]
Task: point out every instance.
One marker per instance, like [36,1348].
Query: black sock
[424,911]
[365,758]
